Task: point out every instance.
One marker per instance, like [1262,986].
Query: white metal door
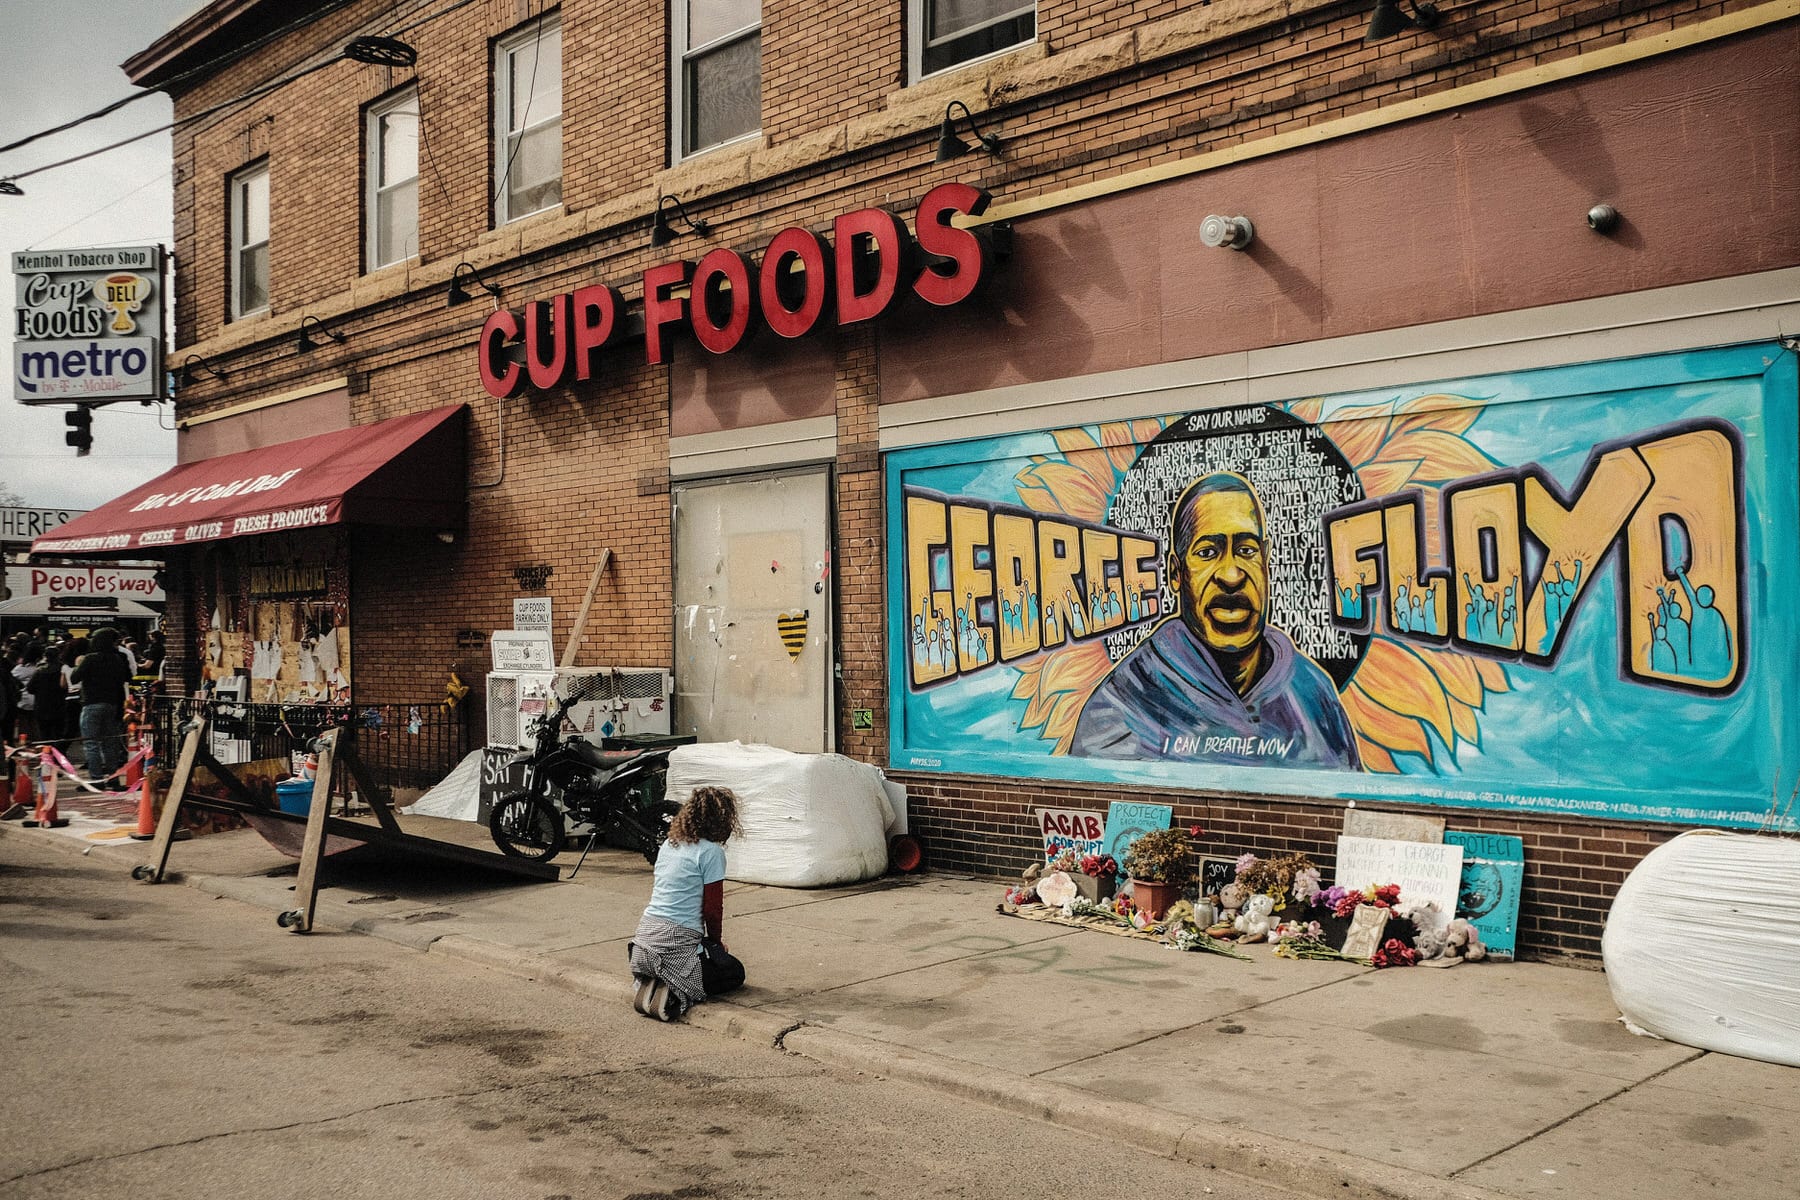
[753,587]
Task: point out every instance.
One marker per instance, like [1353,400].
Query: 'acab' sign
[872,261]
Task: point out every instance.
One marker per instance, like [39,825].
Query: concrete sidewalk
[1483,1080]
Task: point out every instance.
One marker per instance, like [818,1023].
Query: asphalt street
[160,1042]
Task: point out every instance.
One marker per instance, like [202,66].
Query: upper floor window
[392,140]
[528,120]
[249,267]
[947,32]
[718,72]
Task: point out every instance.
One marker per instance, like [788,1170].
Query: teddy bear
[1231,901]
[1431,924]
[1463,940]
[1255,922]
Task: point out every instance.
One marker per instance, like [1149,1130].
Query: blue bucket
[294,796]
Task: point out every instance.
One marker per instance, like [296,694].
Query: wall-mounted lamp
[381,52]
[307,341]
[950,146]
[1227,233]
[194,362]
[458,295]
[1387,20]
[446,536]
[1603,218]
[9,188]
[662,232]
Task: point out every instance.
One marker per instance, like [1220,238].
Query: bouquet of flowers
[1343,901]
[1289,877]
[1099,865]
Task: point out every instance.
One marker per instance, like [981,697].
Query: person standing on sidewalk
[677,959]
[103,675]
[24,699]
[46,688]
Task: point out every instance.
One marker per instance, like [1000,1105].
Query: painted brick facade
[1109,88]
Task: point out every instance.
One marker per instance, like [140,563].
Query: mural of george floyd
[1559,592]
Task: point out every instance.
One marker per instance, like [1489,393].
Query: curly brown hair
[711,814]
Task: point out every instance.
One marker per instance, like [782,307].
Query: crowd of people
[61,690]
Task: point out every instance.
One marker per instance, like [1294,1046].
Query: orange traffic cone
[146,826]
[134,771]
[24,795]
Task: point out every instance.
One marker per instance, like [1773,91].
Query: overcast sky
[58,60]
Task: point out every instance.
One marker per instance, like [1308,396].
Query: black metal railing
[403,745]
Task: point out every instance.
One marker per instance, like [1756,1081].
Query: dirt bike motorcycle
[620,793]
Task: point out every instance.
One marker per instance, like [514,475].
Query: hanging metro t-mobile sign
[87,325]
[872,261]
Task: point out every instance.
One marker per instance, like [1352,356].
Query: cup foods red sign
[871,262]
[87,325]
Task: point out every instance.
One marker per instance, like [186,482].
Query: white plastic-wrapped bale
[1702,945]
[810,820]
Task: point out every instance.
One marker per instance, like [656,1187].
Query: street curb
[1297,1166]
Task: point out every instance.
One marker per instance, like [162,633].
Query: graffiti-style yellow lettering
[989,583]
[1574,537]
[928,603]
[1522,554]
[1489,561]
[1015,565]
[972,584]
[1684,604]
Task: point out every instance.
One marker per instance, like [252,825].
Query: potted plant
[1160,864]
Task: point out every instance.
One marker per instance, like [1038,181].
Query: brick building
[1469,317]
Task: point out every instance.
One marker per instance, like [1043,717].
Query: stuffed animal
[1431,923]
[1462,940]
[1254,923]
[1231,900]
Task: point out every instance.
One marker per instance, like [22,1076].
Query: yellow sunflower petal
[1054,487]
[1493,675]
[1374,758]
[1457,672]
[1122,446]
[1396,678]
[1383,725]
[1358,438]
[1441,456]
[1308,410]
[1452,414]
[1385,477]
[1468,725]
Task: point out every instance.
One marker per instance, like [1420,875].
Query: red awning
[405,471]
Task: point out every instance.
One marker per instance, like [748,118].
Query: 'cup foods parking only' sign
[87,325]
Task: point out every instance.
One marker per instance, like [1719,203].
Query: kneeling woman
[677,959]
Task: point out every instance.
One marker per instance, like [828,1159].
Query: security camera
[1230,233]
[1603,218]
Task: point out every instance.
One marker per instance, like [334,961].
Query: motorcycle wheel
[526,827]
[657,818]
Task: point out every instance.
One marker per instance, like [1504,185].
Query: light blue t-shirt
[682,871]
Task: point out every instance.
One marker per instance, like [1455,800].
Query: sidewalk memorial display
[1276,900]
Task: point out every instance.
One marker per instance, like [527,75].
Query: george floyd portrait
[1214,681]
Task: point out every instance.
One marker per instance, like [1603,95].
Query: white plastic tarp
[457,797]
[1702,945]
[810,820]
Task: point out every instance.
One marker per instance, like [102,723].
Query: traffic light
[80,434]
